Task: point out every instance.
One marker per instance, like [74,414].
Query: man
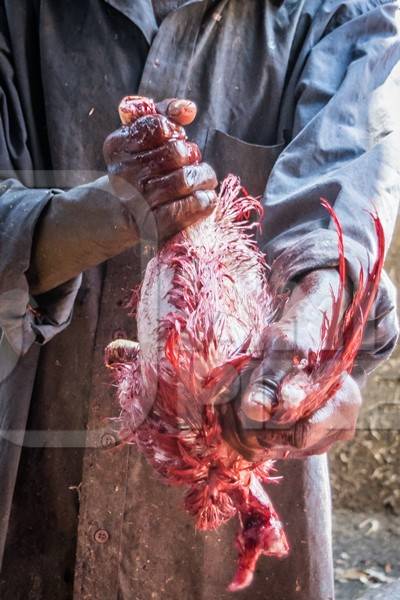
[296,97]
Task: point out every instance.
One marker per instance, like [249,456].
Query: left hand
[248,423]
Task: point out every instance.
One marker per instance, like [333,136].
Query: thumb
[260,395]
[181,111]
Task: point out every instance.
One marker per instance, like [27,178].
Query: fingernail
[194,151]
[211,198]
[180,106]
[206,198]
[262,395]
[257,403]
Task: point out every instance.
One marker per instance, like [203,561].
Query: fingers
[133,107]
[179,184]
[150,154]
[145,133]
[167,187]
[143,166]
[180,111]
[338,417]
[175,216]
[259,398]
[144,129]
[243,441]
[170,157]
[336,421]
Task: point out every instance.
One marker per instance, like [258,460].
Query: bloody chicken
[201,311]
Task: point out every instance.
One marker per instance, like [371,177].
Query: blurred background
[365,475]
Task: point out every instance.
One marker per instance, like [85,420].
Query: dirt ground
[365,476]
[365,472]
[367,555]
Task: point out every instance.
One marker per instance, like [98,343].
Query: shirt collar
[141,13]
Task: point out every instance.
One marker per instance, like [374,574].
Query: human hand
[270,417]
[150,154]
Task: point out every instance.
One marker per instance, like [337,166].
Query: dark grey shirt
[163,7]
[297,97]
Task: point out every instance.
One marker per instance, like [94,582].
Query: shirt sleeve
[22,320]
[345,147]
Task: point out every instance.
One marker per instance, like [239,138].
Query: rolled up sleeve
[345,147]
[23,319]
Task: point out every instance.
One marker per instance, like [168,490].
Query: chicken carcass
[201,310]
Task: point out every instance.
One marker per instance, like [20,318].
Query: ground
[365,472]
[367,555]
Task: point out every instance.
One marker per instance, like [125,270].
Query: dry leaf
[372,524]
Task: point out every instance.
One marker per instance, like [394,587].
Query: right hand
[151,154]
[158,187]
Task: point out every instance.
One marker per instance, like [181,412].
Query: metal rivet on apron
[108,440]
[101,536]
